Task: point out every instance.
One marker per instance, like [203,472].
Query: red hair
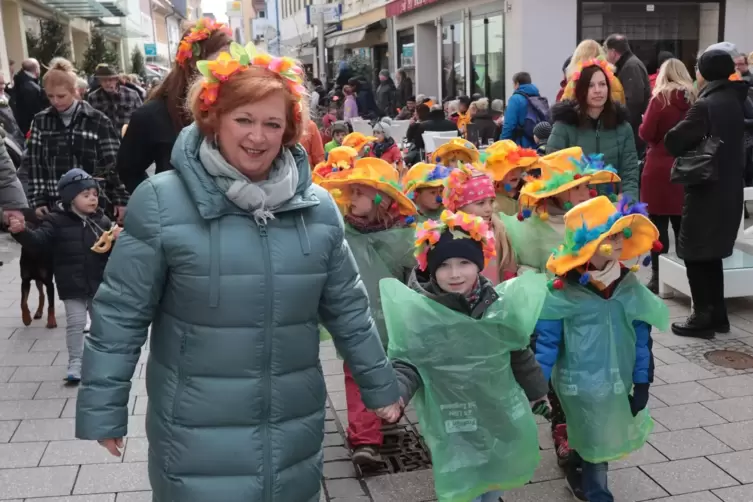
[245,87]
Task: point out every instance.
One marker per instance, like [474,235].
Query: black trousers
[706,280]
[662,222]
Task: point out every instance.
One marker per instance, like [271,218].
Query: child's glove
[639,399]
[542,407]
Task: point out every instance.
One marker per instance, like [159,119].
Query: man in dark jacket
[113,99]
[634,79]
[386,95]
[367,107]
[30,98]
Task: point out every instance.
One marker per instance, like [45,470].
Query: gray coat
[12,194]
[525,369]
[236,389]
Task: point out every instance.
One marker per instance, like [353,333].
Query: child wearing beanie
[338,131]
[384,146]
[72,233]
[448,326]
[541,134]
[593,338]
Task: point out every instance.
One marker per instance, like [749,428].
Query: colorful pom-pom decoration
[577,176]
[593,193]
[521,217]
[606,249]
[635,268]
[508,187]
[567,206]
[627,232]
[558,283]
[647,261]
[613,197]
[378,199]
[410,220]
[439,199]
[526,213]
[584,279]
[543,216]
[335,169]
[336,193]
[657,247]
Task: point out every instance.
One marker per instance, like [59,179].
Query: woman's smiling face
[250,136]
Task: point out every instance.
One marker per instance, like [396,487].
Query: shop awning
[86,9]
[346,37]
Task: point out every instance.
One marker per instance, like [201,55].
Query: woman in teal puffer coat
[597,124]
[233,258]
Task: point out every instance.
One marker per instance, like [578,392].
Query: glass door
[487,56]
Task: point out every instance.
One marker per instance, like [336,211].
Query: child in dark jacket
[72,233]
[480,431]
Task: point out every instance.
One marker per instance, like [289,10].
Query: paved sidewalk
[701,450]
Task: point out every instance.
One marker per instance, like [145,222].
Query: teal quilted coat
[236,390]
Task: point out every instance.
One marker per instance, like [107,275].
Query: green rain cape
[593,374]
[532,240]
[475,418]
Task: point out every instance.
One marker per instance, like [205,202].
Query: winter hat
[727,47]
[542,130]
[384,126]
[455,235]
[466,185]
[73,183]
[339,126]
[716,64]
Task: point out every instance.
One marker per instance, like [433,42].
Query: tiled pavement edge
[701,449]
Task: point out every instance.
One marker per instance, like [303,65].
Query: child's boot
[575,480]
[561,446]
[366,454]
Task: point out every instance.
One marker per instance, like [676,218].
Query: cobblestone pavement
[701,449]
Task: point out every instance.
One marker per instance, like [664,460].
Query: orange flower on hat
[224,66]
[201,31]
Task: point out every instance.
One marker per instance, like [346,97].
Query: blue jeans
[489,497]
[595,482]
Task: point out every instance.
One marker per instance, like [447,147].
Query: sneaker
[73,375]
[575,483]
[559,435]
[366,454]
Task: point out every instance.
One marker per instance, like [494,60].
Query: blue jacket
[236,390]
[515,115]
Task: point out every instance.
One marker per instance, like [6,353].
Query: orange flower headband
[601,63]
[240,59]
[203,29]
[462,226]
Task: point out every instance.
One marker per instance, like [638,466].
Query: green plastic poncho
[381,255]
[532,240]
[594,371]
[475,418]
[506,205]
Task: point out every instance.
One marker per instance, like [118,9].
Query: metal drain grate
[730,359]
[403,451]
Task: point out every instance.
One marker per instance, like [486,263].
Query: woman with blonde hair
[672,97]
[586,51]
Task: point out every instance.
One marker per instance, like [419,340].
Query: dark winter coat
[149,139]
[404,92]
[436,122]
[634,79]
[386,98]
[662,196]
[712,211]
[78,270]
[617,145]
[485,125]
[525,369]
[30,99]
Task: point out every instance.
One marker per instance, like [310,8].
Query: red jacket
[652,80]
[662,197]
[391,155]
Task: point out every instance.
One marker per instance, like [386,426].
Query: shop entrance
[680,27]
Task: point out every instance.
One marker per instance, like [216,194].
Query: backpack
[538,111]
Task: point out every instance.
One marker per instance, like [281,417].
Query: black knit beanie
[449,246]
[716,64]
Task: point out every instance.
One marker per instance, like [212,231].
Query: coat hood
[210,200]
[567,112]
[421,283]
[529,89]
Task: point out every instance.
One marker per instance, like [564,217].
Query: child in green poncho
[378,218]
[594,338]
[449,330]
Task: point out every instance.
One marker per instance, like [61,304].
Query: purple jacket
[350,108]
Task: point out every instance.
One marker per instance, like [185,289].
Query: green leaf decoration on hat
[237,50]
[203,67]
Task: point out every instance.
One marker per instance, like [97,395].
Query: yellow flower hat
[339,160]
[506,156]
[424,175]
[375,173]
[456,150]
[589,223]
[357,140]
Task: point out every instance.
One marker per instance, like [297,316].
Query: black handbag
[699,165]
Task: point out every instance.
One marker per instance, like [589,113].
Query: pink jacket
[350,108]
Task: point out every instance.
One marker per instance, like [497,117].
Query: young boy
[424,184]
[70,232]
[464,344]
[541,134]
[338,131]
[594,338]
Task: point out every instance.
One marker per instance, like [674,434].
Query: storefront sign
[650,7]
[398,7]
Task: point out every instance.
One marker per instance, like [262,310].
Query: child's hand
[116,232]
[16,225]
[542,407]
[639,399]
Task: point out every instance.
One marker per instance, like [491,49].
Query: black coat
[386,98]
[711,212]
[30,99]
[78,270]
[149,139]
[487,129]
[435,123]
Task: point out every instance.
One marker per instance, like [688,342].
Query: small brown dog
[37,267]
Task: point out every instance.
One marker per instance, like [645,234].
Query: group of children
[501,284]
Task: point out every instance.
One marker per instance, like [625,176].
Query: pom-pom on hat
[339,160]
[357,140]
[505,156]
[588,224]
[465,185]
[372,172]
[456,150]
[424,175]
[455,235]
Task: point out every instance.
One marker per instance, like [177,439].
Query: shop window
[453,60]
[406,49]
[487,57]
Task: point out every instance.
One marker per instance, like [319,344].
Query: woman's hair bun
[62,64]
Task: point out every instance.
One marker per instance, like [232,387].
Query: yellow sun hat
[339,160]
[375,173]
[424,175]
[562,171]
[501,145]
[357,140]
[454,151]
[506,157]
[588,224]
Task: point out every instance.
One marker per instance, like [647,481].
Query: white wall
[427,62]
[738,21]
